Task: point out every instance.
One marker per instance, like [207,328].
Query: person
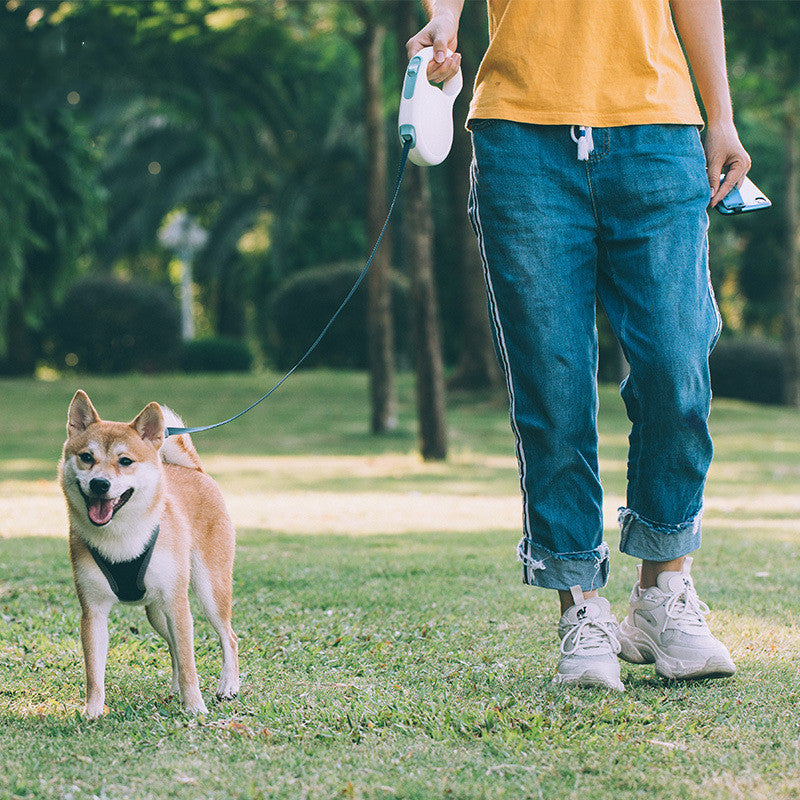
[589,180]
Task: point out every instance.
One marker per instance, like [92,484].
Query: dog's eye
[87,458]
[125,461]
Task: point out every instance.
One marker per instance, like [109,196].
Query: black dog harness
[126,578]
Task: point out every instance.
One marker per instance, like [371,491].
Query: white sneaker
[665,626]
[589,646]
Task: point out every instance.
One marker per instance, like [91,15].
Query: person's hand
[724,155]
[441,33]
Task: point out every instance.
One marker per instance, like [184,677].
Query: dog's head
[110,468]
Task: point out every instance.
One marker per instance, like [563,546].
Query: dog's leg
[181,629]
[213,590]
[159,621]
[94,638]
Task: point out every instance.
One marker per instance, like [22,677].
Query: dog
[145,521]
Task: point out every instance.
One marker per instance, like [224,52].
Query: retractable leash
[425,127]
[426,111]
[400,171]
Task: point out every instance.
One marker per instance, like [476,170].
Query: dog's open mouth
[102,509]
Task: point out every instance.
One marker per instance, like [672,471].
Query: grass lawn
[388,647]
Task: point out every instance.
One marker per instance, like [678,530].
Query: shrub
[216,354]
[748,369]
[303,304]
[106,325]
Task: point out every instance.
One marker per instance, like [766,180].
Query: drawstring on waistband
[584,140]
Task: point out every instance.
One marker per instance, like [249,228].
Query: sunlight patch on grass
[747,442]
[15,465]
[427,496]
[36,508]
[373,512]
[44,708]
[748,786]
[754,641]
[771,527]
[755,502]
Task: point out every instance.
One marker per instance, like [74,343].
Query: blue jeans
[628,226]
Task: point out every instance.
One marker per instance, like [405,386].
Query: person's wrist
[445,21]
[721,122]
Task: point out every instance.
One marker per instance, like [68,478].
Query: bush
[106,325]
[216,354]
[748,369]
[303,304]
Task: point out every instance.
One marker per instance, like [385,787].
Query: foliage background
[250,115]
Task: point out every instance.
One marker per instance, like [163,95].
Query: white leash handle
[426,111]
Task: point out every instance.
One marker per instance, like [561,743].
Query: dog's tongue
[101,511]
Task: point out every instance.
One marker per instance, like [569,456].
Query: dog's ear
[81,414]
[150,425]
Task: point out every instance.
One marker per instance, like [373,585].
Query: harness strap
[407,143]
[126,578]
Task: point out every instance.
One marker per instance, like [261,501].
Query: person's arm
[442,33]
[699,24]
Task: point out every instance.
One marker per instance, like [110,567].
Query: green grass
[410,665]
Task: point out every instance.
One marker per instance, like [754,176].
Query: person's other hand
[440,33]
[724,156]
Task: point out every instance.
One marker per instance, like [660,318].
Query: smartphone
[748,197]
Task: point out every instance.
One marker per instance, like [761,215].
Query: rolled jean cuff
[588,569]
[653,541]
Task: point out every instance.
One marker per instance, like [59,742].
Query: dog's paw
[228,688]
[196,706]
[228,693]
[95,709]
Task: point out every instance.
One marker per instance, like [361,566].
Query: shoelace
[591,633]
[687,607]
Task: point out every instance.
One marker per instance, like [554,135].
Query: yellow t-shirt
[584,62]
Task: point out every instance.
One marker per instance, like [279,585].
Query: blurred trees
[241,112]
[50,198]
[253,117]
[237,111]
[765,42]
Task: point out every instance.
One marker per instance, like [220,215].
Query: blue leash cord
[407,143]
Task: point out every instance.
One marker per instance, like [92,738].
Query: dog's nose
[99,485]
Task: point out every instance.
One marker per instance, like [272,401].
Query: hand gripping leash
[425,126]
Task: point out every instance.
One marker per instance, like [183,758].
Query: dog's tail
[178,449]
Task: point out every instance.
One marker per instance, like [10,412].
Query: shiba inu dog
[144,522]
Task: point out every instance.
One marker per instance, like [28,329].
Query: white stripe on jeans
[503,348]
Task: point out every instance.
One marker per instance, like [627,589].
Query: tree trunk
[21,345]
[426,328]
[232,302]
[477,366]
[383,393]
[426,332]
[791,271]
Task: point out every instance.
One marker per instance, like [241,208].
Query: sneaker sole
[638,648]
[588,680]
